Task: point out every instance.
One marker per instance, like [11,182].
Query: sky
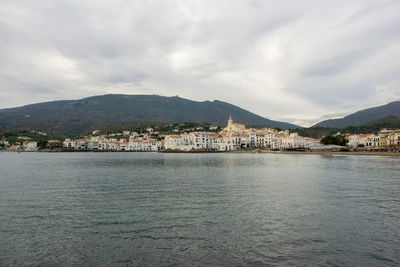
[295,61]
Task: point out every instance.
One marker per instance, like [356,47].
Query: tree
[42,143]
[339,140]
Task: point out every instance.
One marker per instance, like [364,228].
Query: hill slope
[77,117]
[390,122]
[364,116]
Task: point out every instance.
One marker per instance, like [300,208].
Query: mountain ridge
[363,116]
[76,117]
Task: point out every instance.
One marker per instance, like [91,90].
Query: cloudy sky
[297,61]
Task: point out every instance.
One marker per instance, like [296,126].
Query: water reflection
[205,209]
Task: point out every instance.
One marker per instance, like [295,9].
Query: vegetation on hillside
[339,140]
[363,117]
[390,122]
[160,128]
[75,118]
[19,136]
[167,115]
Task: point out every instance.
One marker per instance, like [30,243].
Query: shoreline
[352,153]
[361,153]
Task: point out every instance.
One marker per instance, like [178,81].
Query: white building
[30,146]
[68,143]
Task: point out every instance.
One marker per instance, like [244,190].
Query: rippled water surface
[198,209]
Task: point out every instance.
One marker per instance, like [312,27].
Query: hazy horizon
[299,62]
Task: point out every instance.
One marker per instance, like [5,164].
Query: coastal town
[234,137]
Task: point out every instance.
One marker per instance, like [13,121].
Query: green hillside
[390,122]
[77,117]
[364,116]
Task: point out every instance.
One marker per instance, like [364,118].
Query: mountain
[77,117]
[390,122]
[364,116]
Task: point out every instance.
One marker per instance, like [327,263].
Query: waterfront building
[235,136]
[394,138]
[30,146]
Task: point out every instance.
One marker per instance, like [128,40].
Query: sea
[222,209]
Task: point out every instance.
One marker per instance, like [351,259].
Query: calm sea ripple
[152,209]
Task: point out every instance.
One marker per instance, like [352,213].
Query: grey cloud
[339,63]
[273,58]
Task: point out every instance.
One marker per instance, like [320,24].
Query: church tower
[230,124]
[230,121]
[234,127]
